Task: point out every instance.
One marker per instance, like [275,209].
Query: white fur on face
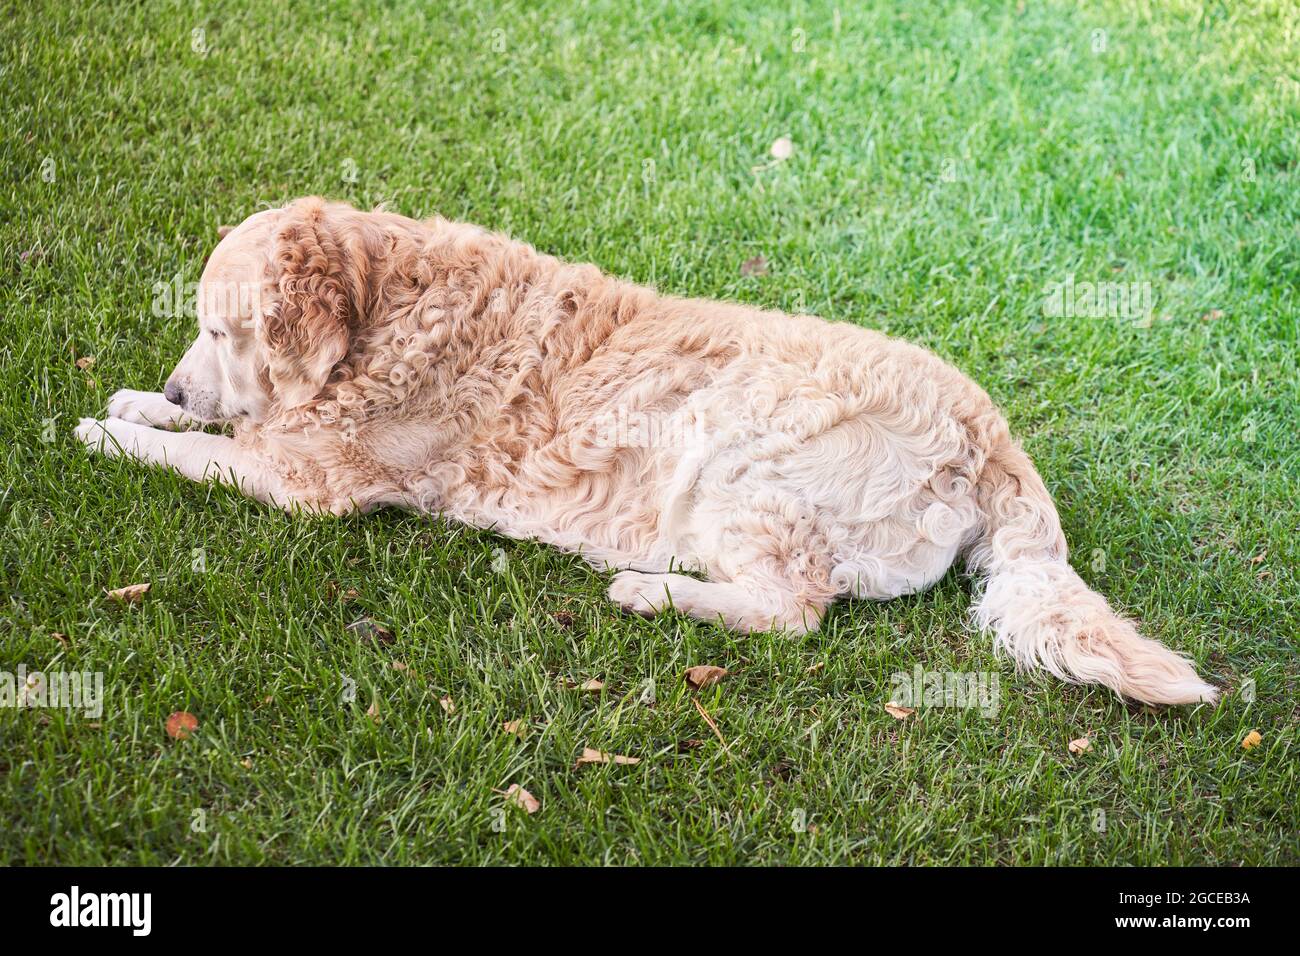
[217,378]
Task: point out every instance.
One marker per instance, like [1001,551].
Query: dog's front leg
[196,455]
[148,408]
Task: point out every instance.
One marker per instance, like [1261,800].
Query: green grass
[950,161]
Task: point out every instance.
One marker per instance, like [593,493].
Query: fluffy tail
[1043,614]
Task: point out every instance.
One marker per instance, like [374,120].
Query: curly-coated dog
[365,359]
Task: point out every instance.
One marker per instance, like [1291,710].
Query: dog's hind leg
[750,603]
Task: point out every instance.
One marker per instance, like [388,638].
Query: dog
[738,465]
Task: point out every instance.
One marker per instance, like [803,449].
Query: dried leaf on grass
[704,675]
[131,594]
[898,711]
[371,630]
[181,724]
[597,756]
[519,797]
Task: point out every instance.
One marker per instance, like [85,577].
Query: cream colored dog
[365,359]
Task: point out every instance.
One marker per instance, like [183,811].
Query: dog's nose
[174,394]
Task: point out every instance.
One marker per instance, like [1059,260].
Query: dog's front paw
[144,408]
[630,590]
[109,436]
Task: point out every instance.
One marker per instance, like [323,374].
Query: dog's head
[278,303]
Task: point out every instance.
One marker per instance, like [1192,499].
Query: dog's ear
[306,330]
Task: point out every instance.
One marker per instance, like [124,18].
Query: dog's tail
[1042,613]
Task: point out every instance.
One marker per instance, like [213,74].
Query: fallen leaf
[61,638]
[346,596]
[85,362]
[564,619]
[181,724]
[694,743]
[516,727]
[899,712]
[781,770]
[1259,558]
[373,710]
[401,666]
[783,148]
[448,705]
[704,675]
[816,667]
[1251,740]
[370,630]
[1212,315]
[131,594]
[593,686]
[756,266]
[597,756]
[1080,745]
[519,797]
[246,763]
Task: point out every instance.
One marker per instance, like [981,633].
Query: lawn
[951,165]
